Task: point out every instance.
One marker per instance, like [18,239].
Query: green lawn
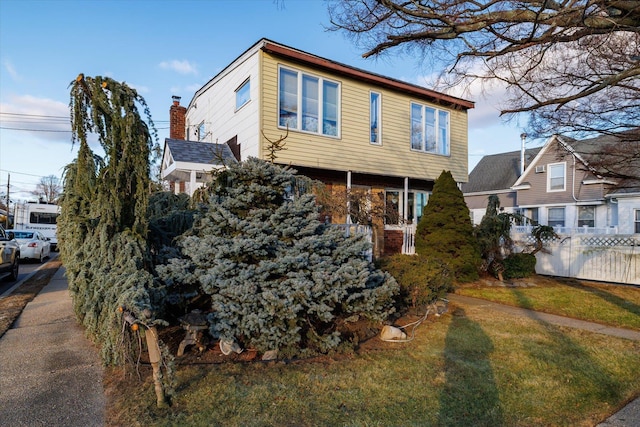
[468,367]
[615,305]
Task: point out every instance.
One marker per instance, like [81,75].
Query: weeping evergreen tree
[445,230]
[102,226]
[278,278]
[494,237]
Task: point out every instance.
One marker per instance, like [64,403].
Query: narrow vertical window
[201,132]
[443,132]
[374,118]
[416,127]
[310,103]
[637,221]
[430,129]
[243,94]
[330,108]
[288,99]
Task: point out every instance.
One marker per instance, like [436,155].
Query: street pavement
[51,374]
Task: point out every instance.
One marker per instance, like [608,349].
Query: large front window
[395,209]
[586,216]
[429,129]
[555,217]
[308,103]
[556,177]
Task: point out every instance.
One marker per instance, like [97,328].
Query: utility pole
[7,216]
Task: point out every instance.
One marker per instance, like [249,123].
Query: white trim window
[308,103]
[429,129]
[375,116]
[556,177]
[636,214]
[555,217]
[202,131]
[586,216]
[243,94]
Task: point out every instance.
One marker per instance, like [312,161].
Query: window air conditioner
[539,169]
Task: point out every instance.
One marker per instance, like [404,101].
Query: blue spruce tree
[278,278]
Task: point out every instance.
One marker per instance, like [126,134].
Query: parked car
[9,255]
[33,244]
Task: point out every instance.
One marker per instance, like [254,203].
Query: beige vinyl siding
[352,149]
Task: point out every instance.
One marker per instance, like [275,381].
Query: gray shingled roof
[199,152]
[497,171]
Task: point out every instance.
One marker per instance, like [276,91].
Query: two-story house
[558,187]
[349,128]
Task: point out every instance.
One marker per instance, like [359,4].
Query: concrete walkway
[629,416]
[50,374]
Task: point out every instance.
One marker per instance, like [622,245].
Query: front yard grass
[468,367]
[614,305]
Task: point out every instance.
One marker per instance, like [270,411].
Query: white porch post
[348,220]
[192,183]
[405,213]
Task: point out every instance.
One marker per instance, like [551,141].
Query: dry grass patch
[469,367]
[12,305]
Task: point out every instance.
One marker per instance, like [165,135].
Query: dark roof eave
[356,73]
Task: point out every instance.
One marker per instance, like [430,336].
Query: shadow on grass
[607,296]
[572,362]
[470,395]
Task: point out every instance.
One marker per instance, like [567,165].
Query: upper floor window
[556,177]
[374,118]
[429,129]
[201,132]
[555,217]
[308,103]
[586,216]
[243,94]
[637,220]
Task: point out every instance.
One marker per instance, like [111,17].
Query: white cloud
[182,67]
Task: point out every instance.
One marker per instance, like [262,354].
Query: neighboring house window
[374,118]
[308,103]
[243,94]
[555,217]
[533,216]
[637,220]
[429,129]
[201,132]
[586,216]
[556,177]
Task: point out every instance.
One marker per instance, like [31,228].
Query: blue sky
[161,48]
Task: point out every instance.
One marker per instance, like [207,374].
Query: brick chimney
[177,117]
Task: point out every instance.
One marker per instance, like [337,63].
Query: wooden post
[155,359]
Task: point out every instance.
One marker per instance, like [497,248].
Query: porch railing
[526,229]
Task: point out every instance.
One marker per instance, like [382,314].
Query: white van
[42,217]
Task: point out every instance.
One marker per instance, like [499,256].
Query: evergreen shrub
[278,278]
[519,265]
[445,230]
[421,279]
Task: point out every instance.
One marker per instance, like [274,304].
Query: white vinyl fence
[602,257]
